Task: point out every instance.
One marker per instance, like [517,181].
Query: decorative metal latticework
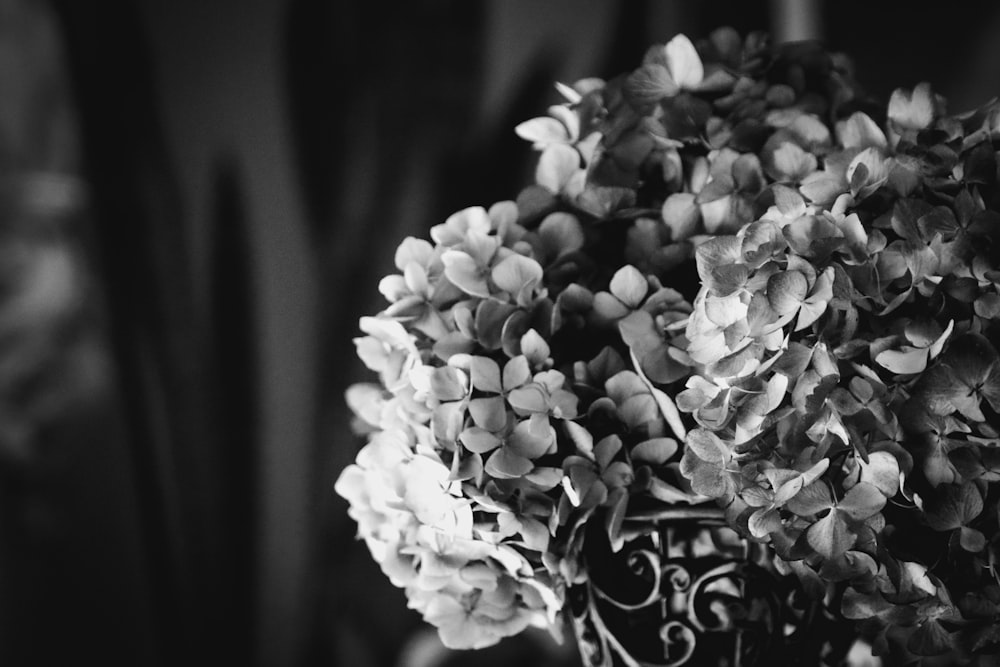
[687,590]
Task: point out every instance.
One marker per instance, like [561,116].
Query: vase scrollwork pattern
[689,591]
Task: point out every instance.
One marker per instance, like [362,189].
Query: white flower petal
[684,62]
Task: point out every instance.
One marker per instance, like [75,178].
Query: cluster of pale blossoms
[833,382]
[455,556]
[419,528]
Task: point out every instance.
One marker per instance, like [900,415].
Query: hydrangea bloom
[738,280]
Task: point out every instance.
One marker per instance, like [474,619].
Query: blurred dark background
[197,200]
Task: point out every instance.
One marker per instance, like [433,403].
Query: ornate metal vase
[687,590]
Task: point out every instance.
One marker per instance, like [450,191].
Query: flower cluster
[735,279]
[846,387]
[482,465]
[420,529]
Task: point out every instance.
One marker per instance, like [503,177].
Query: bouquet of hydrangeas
[735,280]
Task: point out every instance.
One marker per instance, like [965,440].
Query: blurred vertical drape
[209,192]
[74,577]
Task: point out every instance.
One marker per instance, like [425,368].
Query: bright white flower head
[419,528]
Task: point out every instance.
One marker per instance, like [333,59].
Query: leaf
[953,506]
[810,392]
[529,399]
[830,536]
[682,215]
[707,478]
[812,236]
[513,330]
[859,606]
[489,321]
[581,437]
[684,62]
[882,472]
[446,422]
[849,565]
[365,400]
[623,385]
[930,638]
[844,403]
[649,84]
[641,412]
[516,273]
[794,360]
[609,307]
[546,478]
[718,188]
[447,384]
[790,163]
[489,413]
[580,477]
[788,201]
[761,241]
[413,251]
[466,468]
[461,269]
[535,348]
[556,166]
[618,474]
[912,110]
[763,522]
[460,224]
[862,501]
[788,489]
[971,539]
[532,437]
[655,451]
[667,408]
[823,187]
[606,449]
[756,496]
[860,131]
[629,286]
[600,201]
[817,301]
[639,331]
[479,440]
[868,170]
[561,233]
[812,499]
[913,582]
[785,291]
[907,360]
[516,373]
[543,131]
[505,464]
[534,533]
[453,344]
[816,471]
[668,493]
[747,175]
[724,311]
[707,446]
[717,251]
[596,495]
[987,306]
[975,368]
[934,349]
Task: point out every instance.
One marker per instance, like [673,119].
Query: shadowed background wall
[208,193]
